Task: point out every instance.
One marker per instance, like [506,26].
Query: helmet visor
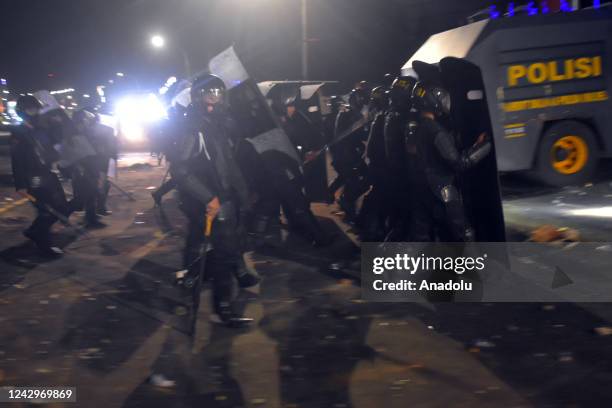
[444,100]
[212,96]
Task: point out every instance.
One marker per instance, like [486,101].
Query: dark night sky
[84,42]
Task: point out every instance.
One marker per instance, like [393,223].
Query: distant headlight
[132,132]
[140,109]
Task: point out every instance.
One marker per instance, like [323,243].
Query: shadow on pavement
[202,378]
[294,248]
[25,257]
[123,313]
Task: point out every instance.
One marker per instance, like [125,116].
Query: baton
[355,127]
[197,288]
[130,196]
[61,217]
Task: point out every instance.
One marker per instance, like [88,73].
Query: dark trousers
[166,187]
[373,215]
[102,194]
[49,194]
[296,208]
[85,186]
[288,195]
[354,177]
[434,219]
[223,260]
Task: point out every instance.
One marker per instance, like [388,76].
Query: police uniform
[347,159]
[439,211]
[32,157]
[373,215]
[205,169]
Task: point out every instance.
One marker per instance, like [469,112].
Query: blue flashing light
[596,3]
[545,8]
[532,10]
[511,9]
[565,6]
[493,13]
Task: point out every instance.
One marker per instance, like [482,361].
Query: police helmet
[400,93]
[379,97]
[358,98]
[363,85]
[432,98]
[207,85]
[335,103]
[290,96]
[25,103]
[388,79]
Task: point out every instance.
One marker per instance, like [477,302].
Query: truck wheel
[568,154]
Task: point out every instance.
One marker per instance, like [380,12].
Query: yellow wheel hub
[569,154]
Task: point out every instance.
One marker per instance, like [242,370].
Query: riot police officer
[278,181]
[107,148]
[439,211]
[89,172]
[299,128]
[372,217]
[33,157]
[211,185]
[347,149]
[397,162]
[169,129]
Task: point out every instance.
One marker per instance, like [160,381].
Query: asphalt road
[105,317]
[587,208]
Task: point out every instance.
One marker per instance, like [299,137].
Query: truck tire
[568,154]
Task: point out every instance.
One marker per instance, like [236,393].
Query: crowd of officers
[408,160]
[48,145]
[393,149]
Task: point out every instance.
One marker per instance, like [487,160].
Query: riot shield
[74,149]
[470,116]
[282,93]
[429,73]
[258,124]
[47,100]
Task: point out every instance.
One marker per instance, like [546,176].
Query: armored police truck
[547,81]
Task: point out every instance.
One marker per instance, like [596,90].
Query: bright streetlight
[158,41]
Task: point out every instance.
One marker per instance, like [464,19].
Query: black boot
[103,211]
[246,278]
[43,244]
[313,230]
[231,319]
[94,223]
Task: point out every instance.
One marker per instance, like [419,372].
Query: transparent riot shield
[259,126]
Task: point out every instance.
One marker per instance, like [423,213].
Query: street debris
[603,331]
[552,234]
[566,357]
[484,344]
[159,380]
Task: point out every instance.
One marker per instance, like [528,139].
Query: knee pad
[449,193]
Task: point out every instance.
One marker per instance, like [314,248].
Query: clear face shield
[444,100]
[213,96]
